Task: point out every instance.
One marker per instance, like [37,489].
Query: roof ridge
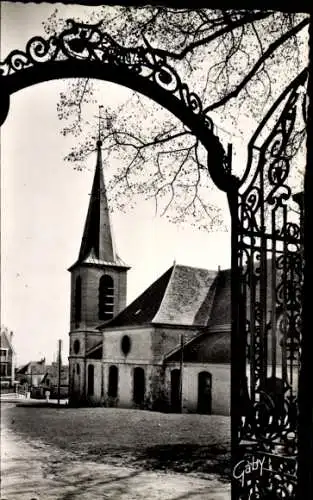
[196,267]
[166,289]
[209,298]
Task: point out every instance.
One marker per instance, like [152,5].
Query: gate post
[305,473]
[235,334]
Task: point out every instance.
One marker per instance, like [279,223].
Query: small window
[125,344]
[77,369]
[106,297]
[76,346]
[3,353]
[90,386]
[47,382]
[113,382]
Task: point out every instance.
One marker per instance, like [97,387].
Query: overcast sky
[44,205]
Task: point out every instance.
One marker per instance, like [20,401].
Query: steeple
[97,242]
[99,276]
[97,245]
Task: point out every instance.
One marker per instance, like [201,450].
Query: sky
[44,204]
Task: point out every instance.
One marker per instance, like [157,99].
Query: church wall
[94,398]
[86,339]
[140,345]
[125,392]
[220,386]
[76,379]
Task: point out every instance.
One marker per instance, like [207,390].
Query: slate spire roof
[98,245]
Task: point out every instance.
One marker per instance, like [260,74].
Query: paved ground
[50,453]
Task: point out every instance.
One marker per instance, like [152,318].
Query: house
[7,359]
[31,373]
[50,381]
[143,355]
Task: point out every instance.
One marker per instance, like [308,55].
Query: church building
[169,350]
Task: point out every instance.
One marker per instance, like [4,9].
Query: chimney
[218,268]
[11,337]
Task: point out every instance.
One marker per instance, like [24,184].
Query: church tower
[98,281]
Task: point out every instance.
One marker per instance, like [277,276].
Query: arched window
[90,386]
[205,393]
[106,297]
[139,385]
[78,300]
[176,390]
[113,382]
[76,346]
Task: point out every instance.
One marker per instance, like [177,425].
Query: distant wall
[220,386]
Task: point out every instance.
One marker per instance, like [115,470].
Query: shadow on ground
[182,458]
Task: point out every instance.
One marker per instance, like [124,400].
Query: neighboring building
[31,373]
[7,359]
[131,356]
[39,377]
[50,381]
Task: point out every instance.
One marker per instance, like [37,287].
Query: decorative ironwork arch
[84,50]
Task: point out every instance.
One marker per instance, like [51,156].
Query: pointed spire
[97,239]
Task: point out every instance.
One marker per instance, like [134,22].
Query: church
[169,350]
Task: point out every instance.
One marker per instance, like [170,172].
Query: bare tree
[237,61]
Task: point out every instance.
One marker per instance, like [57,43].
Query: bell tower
[98,279]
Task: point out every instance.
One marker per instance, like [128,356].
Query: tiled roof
[187,297]
[96,351]
[205,348]
[5,340]
[33,367]
[181,296]
[143,309]
[221,308]
[52,373]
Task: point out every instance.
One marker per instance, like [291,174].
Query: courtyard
[91,453]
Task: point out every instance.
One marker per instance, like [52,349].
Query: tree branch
[226,29]
[271,49]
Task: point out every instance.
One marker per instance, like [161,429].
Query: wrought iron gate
[267,301]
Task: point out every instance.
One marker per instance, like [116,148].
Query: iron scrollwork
[270,244]
[90,44]
[87,42]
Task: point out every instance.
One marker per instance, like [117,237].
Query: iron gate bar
[305,419]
